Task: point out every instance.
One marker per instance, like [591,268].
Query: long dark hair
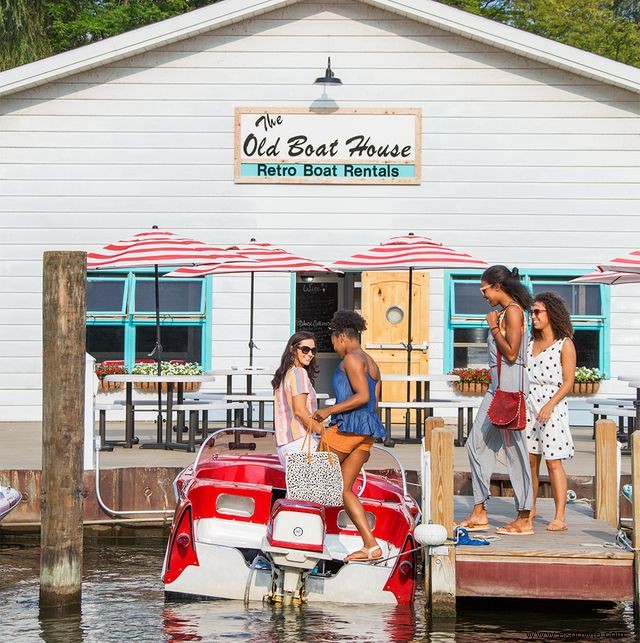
[347,322]
[557,313]
[286,362]
[510,282]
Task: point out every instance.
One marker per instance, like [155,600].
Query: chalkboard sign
[315,305]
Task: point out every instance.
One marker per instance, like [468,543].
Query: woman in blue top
[355,423]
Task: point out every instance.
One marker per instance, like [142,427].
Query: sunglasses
[537,311]
[305,350]
[483,288]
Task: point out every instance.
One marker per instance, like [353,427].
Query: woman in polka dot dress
[551,368]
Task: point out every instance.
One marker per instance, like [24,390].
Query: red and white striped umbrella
[409,252]
[157,248]
[154,248]
[262,257]
[412,252]
[626,263]
[608,277]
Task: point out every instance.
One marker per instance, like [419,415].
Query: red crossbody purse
[508,409]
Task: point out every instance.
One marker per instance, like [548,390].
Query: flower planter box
[153,386]
[110,386]
[471,388]
[585,388]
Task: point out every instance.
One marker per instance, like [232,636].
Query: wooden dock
[582,563]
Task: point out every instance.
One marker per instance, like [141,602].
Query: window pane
[470,348]
[582,299]
[468,300]
[587,348]
[176,296]
[178,342]
[105,296]
[105,342]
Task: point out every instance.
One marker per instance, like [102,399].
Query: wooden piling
[635,515]
[442,572]
[607,503]
[63,377]
[430,424]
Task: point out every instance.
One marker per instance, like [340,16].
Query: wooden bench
[195,408]
[428,407]
[102,408]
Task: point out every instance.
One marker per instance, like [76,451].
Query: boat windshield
[236,442]
[243,442]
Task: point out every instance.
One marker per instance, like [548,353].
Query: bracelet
[494,328]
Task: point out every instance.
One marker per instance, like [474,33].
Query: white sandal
[368,552]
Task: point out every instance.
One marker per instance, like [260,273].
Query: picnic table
[423,394]
[170,381]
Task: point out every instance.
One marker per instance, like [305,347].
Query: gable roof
[227,12]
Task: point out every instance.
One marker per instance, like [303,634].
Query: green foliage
[585,374]
[33,29]
[592,25]
[79,22]
[22,33]
[606,27]
[168,368]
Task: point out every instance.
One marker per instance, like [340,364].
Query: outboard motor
[294,544]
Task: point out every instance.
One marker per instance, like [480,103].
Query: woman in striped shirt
[295,399]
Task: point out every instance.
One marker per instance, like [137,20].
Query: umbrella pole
[407,419]
[409,328]
[251,344]
[157,351]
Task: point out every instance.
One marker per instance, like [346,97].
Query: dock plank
[582,563]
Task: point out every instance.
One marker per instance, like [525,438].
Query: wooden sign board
[288,145]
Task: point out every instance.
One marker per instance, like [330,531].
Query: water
[123,601]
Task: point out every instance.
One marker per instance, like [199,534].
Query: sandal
[557,525]
[511,530]
[471,525]
[368,554]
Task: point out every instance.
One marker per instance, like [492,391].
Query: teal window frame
[540,276]
[130,320]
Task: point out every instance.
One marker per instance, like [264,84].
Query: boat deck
[582,563]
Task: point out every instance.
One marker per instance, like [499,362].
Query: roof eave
[517,41]
[227,12]
[134,42]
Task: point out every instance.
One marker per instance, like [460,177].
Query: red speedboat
[235,534]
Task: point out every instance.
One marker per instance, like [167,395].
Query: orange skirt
[347,442]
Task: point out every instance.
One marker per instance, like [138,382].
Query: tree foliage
[32,29]
[609,28]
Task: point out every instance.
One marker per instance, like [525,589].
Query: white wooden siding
[522,164]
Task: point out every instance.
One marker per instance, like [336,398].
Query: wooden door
[385,298]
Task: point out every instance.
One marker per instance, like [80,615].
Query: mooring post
[635,515]
[429,424]
[607,503]
[442,592]
[63,365]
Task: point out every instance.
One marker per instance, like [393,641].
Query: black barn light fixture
[329,77]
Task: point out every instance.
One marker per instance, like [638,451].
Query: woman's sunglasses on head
[305,350]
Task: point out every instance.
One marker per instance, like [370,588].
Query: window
[466,332]
[121,318]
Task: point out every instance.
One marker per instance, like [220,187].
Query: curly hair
[557,313]
[287,359]
[347,322]
[510,282]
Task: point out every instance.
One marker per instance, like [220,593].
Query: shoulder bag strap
[520,354]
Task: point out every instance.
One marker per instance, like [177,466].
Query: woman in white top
[551,369]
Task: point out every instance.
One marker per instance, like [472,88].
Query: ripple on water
[123,601]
